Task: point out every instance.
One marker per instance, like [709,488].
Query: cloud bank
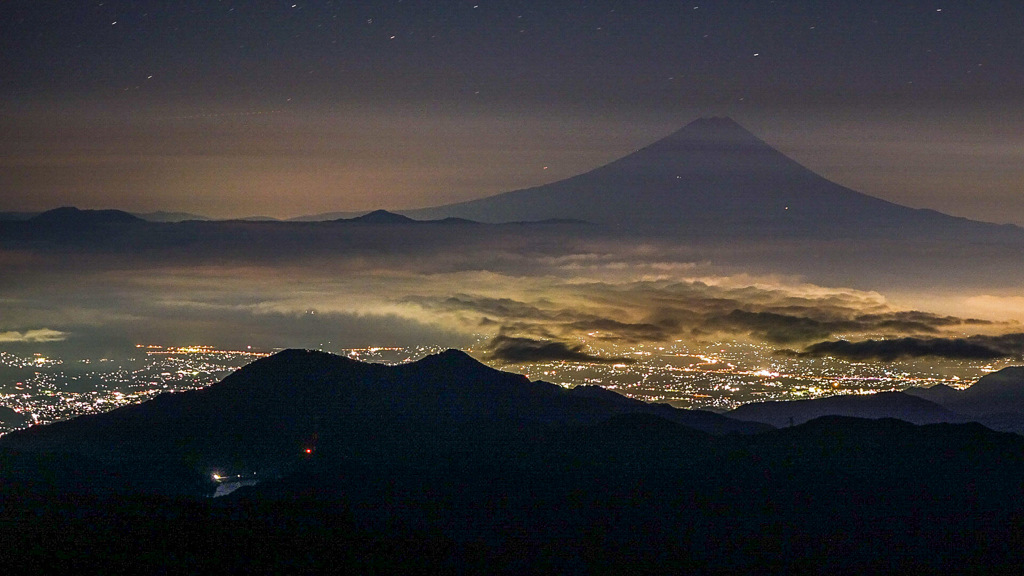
[516,349]
[33,336]
[537,292]
[970,348]
[660,311]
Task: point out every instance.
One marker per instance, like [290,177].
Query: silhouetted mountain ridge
[1000,392]
[71,216]
[165,216]
[996,400]
[940,394]
[895,405]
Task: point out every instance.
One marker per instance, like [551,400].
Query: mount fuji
[713,177]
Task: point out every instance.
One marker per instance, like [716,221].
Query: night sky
[233,109]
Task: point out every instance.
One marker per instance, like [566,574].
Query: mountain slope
[998,392]
[882,405]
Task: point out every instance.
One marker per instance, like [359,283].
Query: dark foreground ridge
[265,414]
[445,465]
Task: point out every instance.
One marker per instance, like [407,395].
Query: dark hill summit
[79,229]
[385,218]
[380,217]
[70,216]
[711,177]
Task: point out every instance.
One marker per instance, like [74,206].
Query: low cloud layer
[532,293]
[39,335]
[970,348]
[516,349]
[659,311]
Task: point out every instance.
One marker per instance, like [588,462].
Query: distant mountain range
[995,400]
[162,216]
[116,231]
[1000,392]
[882,405]
[70,216]
[158,216]
[712,178]
[371,468]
